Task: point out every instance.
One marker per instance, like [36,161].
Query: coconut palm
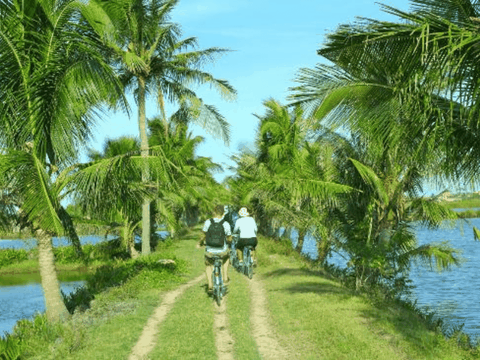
[123,214]
[430,59]
[386,156]
[150,57]
[52,77]
[195,188]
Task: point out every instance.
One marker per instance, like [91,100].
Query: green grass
[312,314]
[187,332]
[462,204]
[27,272]
[238,311]
[324,320]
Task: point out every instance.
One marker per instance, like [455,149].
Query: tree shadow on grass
[314,287]
[407,325]
[299,272]
[317,288]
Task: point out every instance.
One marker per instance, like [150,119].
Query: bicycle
[248,261]
[219,289]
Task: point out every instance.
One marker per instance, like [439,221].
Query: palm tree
[195,188]
[386,155]
[123,214]
[429,57]
[52,77]
[151,59]
[289,181]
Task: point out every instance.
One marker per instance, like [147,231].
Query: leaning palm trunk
[145,177]
[128,239]
[301,238]
[55,307]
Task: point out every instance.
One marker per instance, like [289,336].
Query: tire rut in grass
[146,342]
[263,332]
[223,339]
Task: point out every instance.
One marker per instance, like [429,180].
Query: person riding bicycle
[217,237]
[247,228]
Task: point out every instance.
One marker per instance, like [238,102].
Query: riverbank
[311,314]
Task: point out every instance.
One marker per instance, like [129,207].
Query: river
[24,301]
[452,294]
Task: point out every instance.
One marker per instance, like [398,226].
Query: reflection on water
[24,301]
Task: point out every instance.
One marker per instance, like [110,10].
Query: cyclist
[217,237]
[247,228]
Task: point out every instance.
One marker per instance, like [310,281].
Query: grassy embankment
[314,316]
[467,202]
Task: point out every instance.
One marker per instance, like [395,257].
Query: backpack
[216,234]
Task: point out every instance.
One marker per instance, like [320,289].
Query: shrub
[10,348]
[12,256]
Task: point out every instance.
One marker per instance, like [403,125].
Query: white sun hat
[243,212]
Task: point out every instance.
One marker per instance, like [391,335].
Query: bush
[10,348]
[12,256]
[142,273]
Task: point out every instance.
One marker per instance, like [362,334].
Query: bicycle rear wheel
[217,284]
[249,265]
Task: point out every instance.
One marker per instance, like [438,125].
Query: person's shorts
[209,257]
[242,242]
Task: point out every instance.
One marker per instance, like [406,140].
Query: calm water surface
[24,301]
[454,294]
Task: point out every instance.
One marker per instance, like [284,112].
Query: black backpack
[216,234]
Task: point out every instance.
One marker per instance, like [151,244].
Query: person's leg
[208,273]
[254,243]
[240,246]
[240,254]
[225,270]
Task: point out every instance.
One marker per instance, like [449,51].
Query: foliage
[12,256]
[10,348]
[134,274]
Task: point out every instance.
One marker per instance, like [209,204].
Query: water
[62,241]
[452,294]
[24,301]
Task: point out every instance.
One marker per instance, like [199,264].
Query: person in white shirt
[247,228]
[221,249]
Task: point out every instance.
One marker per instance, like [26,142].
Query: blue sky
[270,40]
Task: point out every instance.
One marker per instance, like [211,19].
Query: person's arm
[203,240]
[236,228]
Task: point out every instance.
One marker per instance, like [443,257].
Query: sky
[270,40]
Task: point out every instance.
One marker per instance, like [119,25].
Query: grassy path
[223,338]
[263,331]
[189,325]
[147,339]
[288,310]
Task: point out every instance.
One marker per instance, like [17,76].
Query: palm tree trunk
[72,232]
[55,307]
[144,147]
[128,239]
[301,238]
[161,102]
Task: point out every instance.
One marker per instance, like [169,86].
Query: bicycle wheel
[217,284]
[249,265]
[219,289]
